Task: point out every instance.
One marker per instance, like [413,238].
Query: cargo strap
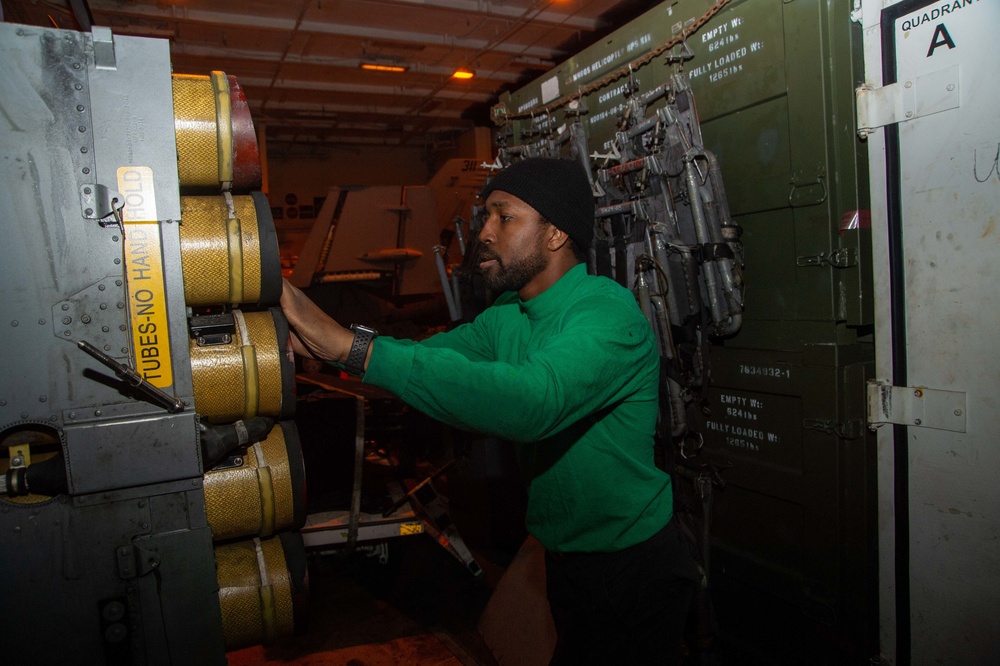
[224,128]
[234,239]
[267,605]
[265,485]
[250,369]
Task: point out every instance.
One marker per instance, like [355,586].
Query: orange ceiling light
[463,74]
[381,67]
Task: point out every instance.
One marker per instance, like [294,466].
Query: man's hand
[314,333]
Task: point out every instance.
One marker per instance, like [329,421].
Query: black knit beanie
[558,189]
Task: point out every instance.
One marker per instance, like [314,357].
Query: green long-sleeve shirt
[571,376]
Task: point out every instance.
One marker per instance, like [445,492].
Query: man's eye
[506,218]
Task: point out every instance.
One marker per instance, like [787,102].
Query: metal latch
[915,406]
[914,98]
[134,561]
[98,201]
[214,329]
[845,257]
[104,47]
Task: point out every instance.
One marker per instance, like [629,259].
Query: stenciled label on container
[756,424]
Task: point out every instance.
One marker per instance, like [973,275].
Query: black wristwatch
[363,336]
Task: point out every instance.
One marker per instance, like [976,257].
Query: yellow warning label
[144,276]
[406,529]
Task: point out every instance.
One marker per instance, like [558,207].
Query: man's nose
[487,234]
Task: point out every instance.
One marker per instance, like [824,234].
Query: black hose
[47,477]
[218,441]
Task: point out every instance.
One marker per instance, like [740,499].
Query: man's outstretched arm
[314,333]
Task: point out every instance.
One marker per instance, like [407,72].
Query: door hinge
[906,100]
[917,406]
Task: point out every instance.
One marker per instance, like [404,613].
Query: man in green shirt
[565,366]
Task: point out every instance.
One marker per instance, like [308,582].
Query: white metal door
[931,109]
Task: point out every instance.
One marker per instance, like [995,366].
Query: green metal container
[774,85]
[793,529]
[793,553]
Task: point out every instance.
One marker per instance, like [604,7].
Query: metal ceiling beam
[477,45]
[476,8]
[490,9]
[323,28]
[219,53]
[366,89]
[389,111]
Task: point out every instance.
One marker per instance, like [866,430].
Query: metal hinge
[845,257]
[915,406]
[907,100]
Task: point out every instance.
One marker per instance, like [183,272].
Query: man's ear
[557,238]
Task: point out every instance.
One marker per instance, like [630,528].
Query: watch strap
[363,336]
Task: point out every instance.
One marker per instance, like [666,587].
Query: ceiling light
[463,74]
[380,67]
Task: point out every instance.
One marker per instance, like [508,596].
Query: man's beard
[511,276]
